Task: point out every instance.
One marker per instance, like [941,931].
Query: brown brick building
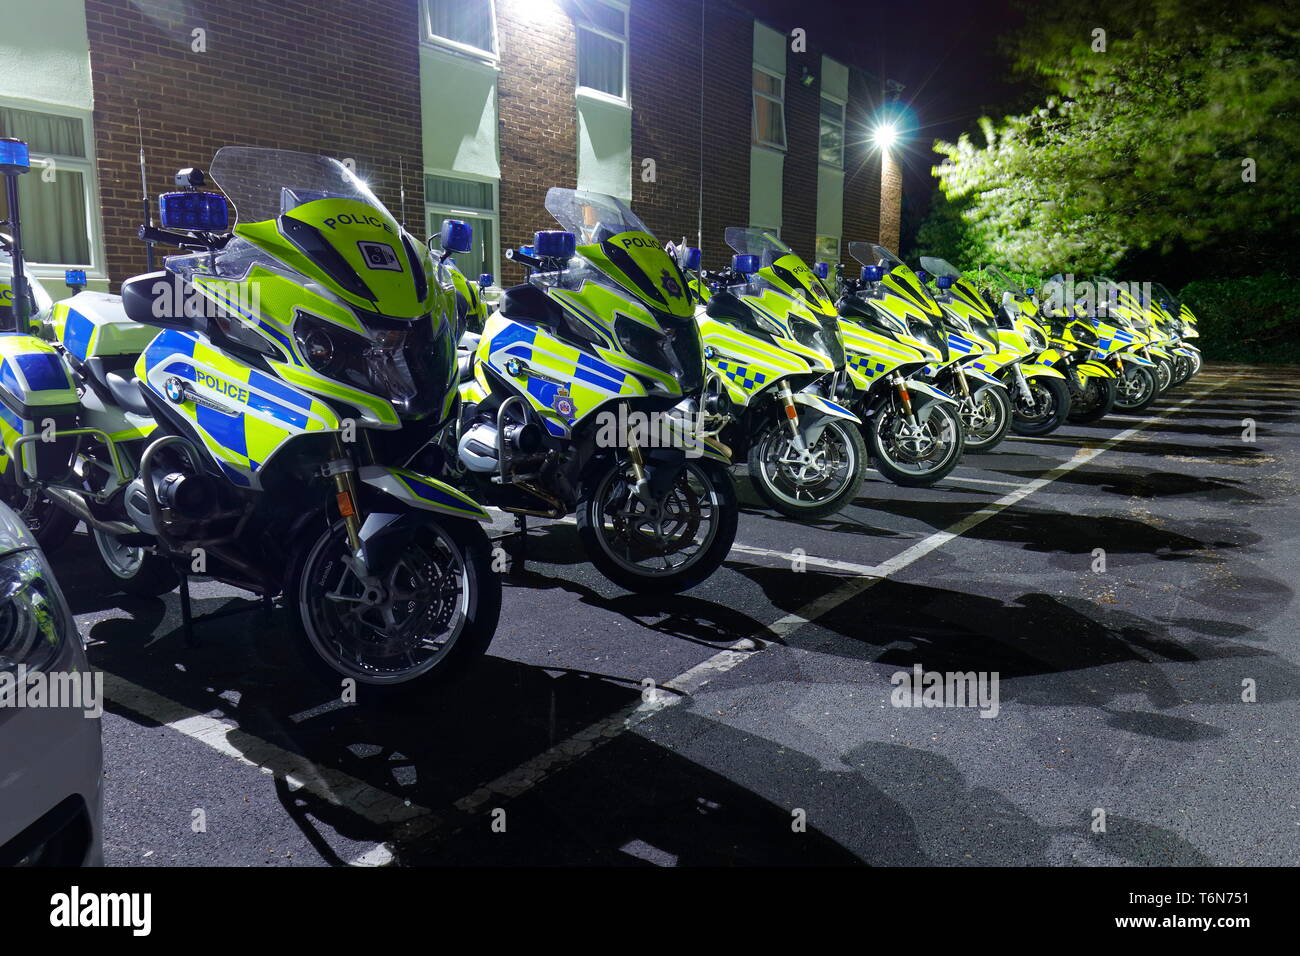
[697,113]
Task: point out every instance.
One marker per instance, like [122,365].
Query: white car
[51,760]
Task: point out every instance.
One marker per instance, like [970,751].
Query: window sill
[463,55]
[768,147]
[597,96]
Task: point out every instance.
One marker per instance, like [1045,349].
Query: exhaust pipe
[71,501]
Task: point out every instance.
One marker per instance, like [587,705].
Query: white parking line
[808,560]
[381,807]
[985,481]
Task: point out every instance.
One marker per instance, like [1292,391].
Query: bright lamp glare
[886,134]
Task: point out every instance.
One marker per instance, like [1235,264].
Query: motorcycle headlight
[34,621]
[648,346]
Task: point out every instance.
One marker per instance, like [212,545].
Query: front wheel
[1164,375]
[1045,410]
[1093,401]
[1136,389]
[663,546]
[987,422]
[920,455]
[813,484]
[424,619]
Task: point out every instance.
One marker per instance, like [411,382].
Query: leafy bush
[1255,319]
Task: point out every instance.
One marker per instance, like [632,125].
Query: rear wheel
[1135,390]
[1046,409]
[664,546]
[426,619]
[811,485]
[48,523]
[916,456]
[987,424]
[136,570]
[1093,400]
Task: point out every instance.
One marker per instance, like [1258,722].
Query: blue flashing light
[555,244]
[193,211]
[693,259]
[821,269]
[456,236]
[14,155]
[872,273]
[745,264]
[74,278]
[944,282]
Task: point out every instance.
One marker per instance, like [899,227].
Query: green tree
[1142,141]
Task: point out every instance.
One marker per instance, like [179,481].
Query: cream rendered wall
[767,166]
[830,181]
[458,105]
[604,146]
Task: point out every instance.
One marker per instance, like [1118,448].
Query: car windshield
[939,267]
[263,183]
[591,217]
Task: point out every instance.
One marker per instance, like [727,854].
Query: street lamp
[885,135]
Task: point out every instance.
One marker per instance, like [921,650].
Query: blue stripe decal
[276,410]
[609,385]
[77,331]
[10,381]
[227,430]
[43,371]
[237,477]
[14,421]
[281,391]
[430,492]
[183,369]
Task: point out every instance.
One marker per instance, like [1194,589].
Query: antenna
[401,189]
[144,190]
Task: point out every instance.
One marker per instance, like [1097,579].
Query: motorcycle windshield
[615,242]
[309,219]
[263,183]
[902,281]
[780,268]
[939,267]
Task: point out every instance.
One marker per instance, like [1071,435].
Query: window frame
[436,211]
[488,56]
[755,92]
[87,166]
[844,117]
[582,22]
[835,257]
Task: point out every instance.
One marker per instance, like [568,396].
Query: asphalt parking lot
[1120,689]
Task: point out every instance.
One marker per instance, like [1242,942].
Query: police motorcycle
[891,333]
[1040,398]
[1178,323]
[1137,317]
[248,413]
[24,306]
[775,375]
[581,396]
[973,334]
[1077,351]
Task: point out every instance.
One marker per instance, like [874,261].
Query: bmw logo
[175,390]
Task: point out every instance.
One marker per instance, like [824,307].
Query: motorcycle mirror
[193,211]
[456,235]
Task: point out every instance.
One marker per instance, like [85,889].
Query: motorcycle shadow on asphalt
[1109,653]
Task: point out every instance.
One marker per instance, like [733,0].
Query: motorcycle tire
[1057,394]
[854,448]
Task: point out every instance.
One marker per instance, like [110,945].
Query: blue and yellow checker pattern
[243,416]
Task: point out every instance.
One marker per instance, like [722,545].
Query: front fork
[904,398]
[1022,383]
[792,418]
[344,472]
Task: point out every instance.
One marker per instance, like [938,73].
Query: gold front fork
[343,471]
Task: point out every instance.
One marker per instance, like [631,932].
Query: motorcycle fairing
[422,492]
[242,416]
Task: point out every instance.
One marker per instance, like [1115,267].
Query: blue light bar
[194,211]
[944,282]
[872,273]
[746,264]
[76,278]
[13,154]
[555,244]
[457,235]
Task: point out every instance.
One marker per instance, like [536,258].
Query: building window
[769,109]
[602,48]
[828,249]
[57,196]
[466,25]
[475,201]
[831,150]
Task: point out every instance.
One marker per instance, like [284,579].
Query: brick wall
[538,125]
[296,74]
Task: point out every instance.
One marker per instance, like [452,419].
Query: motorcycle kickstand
[521,531]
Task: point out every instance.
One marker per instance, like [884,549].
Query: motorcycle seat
[126,393]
